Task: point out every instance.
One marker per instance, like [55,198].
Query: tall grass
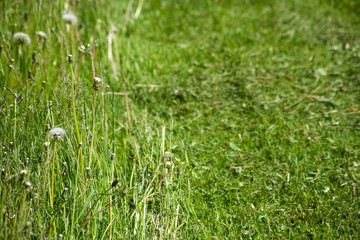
[58,198]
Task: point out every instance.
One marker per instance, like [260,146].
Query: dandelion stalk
[110,200]
[93,128]
[76,122]
[52,186]
[74,205]
[55,134]
[52,176]
[97,82]
[15,103]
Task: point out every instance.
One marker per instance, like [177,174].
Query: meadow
[179,119]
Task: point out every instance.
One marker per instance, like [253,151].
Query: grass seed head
[115,182]
[22,38]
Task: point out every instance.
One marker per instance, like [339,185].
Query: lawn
[179,119]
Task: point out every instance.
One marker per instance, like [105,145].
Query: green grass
[257,103]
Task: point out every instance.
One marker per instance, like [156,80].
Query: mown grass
[244,120]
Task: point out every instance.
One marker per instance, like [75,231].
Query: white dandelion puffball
[70,18]
[98,80]
[41,34]
[57,133]
[22,38]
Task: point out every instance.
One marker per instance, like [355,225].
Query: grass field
[228,119]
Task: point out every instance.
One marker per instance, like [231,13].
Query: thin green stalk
[126,98]
[93,128]
[82,226]
[74,202]
[138,10]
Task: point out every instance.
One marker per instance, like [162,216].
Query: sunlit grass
[183,119]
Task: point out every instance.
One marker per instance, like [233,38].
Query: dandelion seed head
[98,80]
[23,172]
[82,49]
[27,184]
[57,133]
[22,38]
[69,18]
[114,29]
[70,58]
[168,154]
[41,34]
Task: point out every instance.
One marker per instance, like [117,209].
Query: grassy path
[264,98]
